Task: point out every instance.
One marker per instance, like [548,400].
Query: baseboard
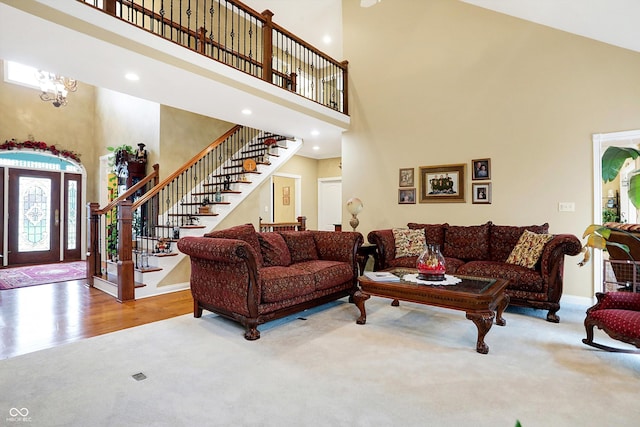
[576,300]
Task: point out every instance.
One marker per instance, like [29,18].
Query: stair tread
[193,214]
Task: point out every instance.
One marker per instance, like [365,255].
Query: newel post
[267,49]
[93,242]
[126,288]
[202,40]
[345,87]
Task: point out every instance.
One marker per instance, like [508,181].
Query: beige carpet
[408,366]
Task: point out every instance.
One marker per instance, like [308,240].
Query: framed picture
[406,177]
[443,183]
[481,169]
[481,193]
[407,196]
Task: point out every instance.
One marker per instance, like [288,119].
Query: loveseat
[483,251]
[253,277]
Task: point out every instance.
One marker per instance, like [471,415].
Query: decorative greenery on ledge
[13,144]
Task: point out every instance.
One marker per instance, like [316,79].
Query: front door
[34,217]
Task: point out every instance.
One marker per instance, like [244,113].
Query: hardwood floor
[39,317]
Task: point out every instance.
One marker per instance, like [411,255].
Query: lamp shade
[354,205]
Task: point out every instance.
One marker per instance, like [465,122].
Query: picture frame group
[407,190]
[445,183]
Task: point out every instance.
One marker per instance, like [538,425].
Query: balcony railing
[232,33]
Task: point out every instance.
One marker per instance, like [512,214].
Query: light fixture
[246,112]
[55,88]
[132,77]
[354,206]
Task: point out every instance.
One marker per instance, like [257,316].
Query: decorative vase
[430,264]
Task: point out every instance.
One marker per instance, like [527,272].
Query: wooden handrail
[130,191]
[156,189]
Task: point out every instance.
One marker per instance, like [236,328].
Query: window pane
[34,210]
[72,211]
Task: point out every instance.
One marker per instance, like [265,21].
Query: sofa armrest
[386,245]
[224,273]
[617,300]
[552,262]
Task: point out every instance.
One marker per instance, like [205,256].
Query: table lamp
[354,206]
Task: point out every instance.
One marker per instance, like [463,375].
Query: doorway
[43,217]
[329,203]
[601,142]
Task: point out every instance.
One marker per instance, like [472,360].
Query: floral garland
[13,144]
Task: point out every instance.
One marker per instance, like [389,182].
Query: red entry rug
[19,277]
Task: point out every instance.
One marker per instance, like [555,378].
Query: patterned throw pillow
[409,242]
[527,251]
[301,244]
[274,250]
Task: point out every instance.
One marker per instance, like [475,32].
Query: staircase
[189,202]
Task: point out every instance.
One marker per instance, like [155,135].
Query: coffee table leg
[502,305]
[359,298]
[483,321]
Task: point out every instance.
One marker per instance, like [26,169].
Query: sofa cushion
[282,283]
[467,242]
[274,250]
[245,232]
[434,233]
[520,278]
[327,274]
[528,249]
[503,238]
[301,244]
[409,242]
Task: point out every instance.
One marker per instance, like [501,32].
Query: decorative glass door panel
[34,216]
[72,224]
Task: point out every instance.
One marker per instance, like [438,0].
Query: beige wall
[330,168]
[451,82]
[22,114]
[183,135]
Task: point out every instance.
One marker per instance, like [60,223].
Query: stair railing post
[94,257]
[202,40]
[109,6]
[267,49]
[126,287]
[345,86]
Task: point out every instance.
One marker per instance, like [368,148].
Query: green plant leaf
[634,190]
[613,159]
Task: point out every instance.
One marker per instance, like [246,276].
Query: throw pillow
[274,250]
[467,242]
[434,233]
[301,244]
[409,242]
[245,232]
[527,251]
[503,238]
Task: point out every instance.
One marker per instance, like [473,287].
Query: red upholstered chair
[618,314]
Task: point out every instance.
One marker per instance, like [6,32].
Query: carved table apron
[482,299]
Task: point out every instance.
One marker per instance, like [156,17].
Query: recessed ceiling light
[246,111]
[315,147]
[132,76]
[315,132]
[326,39]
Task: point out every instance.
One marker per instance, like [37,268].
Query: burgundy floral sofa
[253,277]
[483,251]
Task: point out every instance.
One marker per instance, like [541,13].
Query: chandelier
[55,88]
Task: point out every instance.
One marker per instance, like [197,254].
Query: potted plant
[612,161]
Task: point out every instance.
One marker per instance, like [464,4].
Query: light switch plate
[566,207]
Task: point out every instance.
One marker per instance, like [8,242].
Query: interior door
[329,203]
[34,217]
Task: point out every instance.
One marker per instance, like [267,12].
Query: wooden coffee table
[482,299]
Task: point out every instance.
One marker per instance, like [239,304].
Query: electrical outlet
[566,207]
